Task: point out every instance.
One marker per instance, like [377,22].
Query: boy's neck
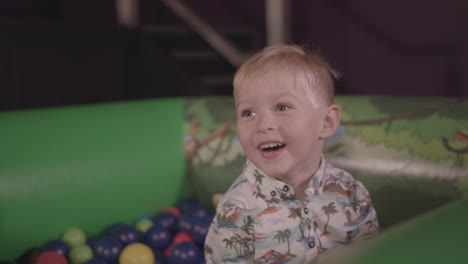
[301,180]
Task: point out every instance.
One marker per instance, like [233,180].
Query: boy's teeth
[270,145]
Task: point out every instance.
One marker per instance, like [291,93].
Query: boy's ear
[331,121]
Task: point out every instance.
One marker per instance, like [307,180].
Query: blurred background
[58,52]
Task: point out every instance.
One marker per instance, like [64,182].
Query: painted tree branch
[427,108]
[452,149]
[193,145]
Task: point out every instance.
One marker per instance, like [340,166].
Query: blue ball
[186,204]
[185,253]
[92,242]
[158,237]
[200,229]
[128,235]
[159,257]
[198,211]
[166,220]
[185,223]
[57,246]
[114,228]
[96,260]
[108,249]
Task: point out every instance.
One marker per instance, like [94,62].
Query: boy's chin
[270,171]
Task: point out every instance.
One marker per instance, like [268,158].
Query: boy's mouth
[268,147]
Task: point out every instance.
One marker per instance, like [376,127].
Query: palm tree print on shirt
[328,210]
[242,245]
[248,225]
[284,236]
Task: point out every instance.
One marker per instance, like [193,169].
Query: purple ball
[108,249]
[158,237]
[185,253]
[57,246]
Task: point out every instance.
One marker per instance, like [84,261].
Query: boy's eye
[282,107]
[247,113]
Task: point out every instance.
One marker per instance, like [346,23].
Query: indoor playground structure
[134,181]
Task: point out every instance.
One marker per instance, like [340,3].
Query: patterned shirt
[260,219]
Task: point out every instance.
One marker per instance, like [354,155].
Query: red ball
[173,210]
[182,237]
[51,257]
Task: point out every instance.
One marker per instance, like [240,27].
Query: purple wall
[394,47]
[398,47]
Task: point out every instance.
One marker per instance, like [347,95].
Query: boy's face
[279,128]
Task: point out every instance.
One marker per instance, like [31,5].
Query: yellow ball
[136,253]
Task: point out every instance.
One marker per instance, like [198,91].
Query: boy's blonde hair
[306,69]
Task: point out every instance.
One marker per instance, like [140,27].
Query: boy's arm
[229,239]
[368,224]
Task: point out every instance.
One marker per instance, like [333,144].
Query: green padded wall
[438,236]
[86,166]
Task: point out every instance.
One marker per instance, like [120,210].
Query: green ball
[143,225]
[74,237]
[80,254]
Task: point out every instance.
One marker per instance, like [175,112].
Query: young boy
[289,204]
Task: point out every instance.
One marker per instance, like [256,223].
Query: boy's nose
[265,124]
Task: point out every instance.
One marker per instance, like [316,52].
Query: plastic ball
[74,236]
[80,254]
[182,237]
[200,229]
[29,256]
[198,211]
[51,257]
[144,217]
[92,242]
[158,237]
[186,204]
[144,225]
[167,251]
[57,246]
[185,253]
[185,223]
[137,253]
[113,229]
[128,235]
[108,249]
[166,220]
[96,260]
[173,210]
[159,257]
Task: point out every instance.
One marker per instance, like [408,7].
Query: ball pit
[173,235]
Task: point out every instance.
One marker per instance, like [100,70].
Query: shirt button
[311,244]
[273,193]
[306,210]
[286,188]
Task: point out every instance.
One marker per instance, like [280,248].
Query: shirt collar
[273,188]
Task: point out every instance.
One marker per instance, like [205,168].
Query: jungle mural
[410,152]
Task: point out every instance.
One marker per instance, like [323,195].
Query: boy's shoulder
[332,172]
[340,183]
